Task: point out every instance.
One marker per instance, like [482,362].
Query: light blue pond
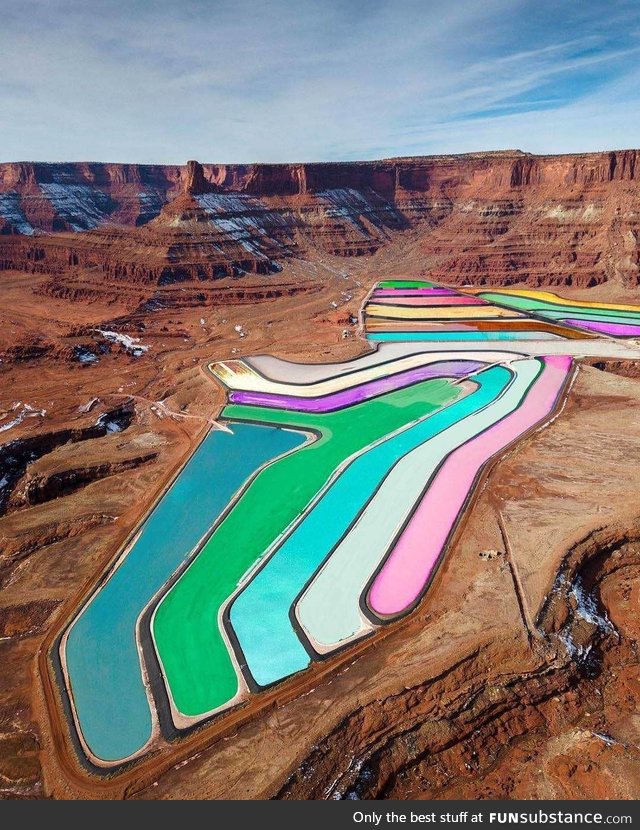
[260,614]
[462,335]
[102,657]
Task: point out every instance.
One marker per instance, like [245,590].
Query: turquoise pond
[101,651]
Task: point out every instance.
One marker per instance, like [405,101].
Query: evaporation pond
[101,651]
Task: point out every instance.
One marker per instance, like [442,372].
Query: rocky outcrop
[16,456]
[81,196]
[41,486]
[625,368]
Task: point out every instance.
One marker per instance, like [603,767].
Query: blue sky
[300,80]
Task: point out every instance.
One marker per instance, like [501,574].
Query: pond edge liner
[306,642]
[64,689]
[73,734]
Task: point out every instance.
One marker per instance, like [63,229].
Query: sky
[163,81]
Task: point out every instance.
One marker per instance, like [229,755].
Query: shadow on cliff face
[17,455]
[567,728]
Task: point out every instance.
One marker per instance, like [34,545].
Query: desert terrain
[517,674]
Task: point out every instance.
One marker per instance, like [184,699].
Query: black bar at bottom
[336,815]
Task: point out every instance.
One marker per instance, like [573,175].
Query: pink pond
[430,301]
[407,570]
[604,327]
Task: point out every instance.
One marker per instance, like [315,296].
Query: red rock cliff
[493,217]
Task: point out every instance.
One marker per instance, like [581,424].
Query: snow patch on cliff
[130,344]
[150,206]
[590,213]
[11,211]
[354,206]
[111,425]
[585,608]
[245,220]
[83,207]
[20,411]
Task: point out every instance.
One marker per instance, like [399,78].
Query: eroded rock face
[80,196]
[550,732]
[488,217]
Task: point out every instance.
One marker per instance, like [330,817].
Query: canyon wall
[486,217]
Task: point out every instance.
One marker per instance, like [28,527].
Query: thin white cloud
[281,80]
